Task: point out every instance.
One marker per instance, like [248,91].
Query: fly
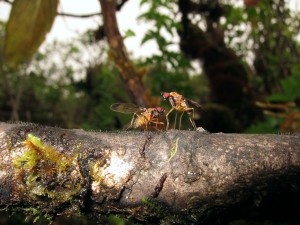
[142,117]
[182,104]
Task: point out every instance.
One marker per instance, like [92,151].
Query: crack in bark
[144,146]
[159,186]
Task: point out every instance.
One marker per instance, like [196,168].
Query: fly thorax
[172,101]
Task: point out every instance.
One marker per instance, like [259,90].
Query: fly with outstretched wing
[142,117]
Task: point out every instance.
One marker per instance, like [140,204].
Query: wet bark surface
[176,177]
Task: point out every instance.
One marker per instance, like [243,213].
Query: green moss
[46,176]
[162,213]
[96,172]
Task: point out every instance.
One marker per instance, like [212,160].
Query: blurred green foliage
[267,36]
[290,89]
[274,123]
[163,33]
[50,93]
[72,84]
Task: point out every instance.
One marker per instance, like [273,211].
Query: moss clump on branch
[160,213]
[47,177]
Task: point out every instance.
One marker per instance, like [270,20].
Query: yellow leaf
[28,24]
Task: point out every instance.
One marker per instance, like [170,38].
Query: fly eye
[160,110]
[165,95]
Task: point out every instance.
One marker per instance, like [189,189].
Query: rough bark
[175,177]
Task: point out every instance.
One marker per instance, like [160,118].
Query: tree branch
[131,78]
[7,1]
[183,176]
[79,16]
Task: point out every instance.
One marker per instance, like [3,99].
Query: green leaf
[129,33]
[143,2]
[291,89]
[278,97]
[173,150]
[270,126]
[28,24]
[149,36]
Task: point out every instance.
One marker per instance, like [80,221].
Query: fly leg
[156,123]
[175,121]
[132,121]
[192,118]
[146,122]
[180,120]
[171,110]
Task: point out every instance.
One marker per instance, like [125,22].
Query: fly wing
[126,108]
[193,103]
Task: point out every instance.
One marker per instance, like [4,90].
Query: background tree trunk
[227,74]
[185,177]
[131,78]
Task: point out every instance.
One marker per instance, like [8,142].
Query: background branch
[79,16]
[7,1]
[129,75]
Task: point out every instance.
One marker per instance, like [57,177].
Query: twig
[7,1]
[78,15]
